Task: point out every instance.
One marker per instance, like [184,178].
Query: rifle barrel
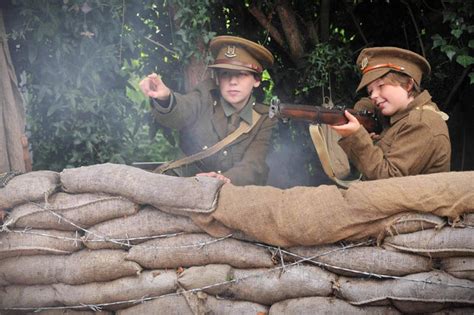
[321,115]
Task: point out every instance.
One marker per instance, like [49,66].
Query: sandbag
[32,186]
[455,311]
[413,222]
[78,268]
[67,312]
[177,305]
[228,307]
[83,210]
[198,249]
[307,216]
[446,242]
[417,293]
[263,286]
[468,219]
[326,305]
[167,193]
[148,222]
[36,242]
[460,267]
[362,260]
[148,283]
[170,305]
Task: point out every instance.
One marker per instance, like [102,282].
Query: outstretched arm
[152,86]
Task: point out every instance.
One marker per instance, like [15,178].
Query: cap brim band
[232,67]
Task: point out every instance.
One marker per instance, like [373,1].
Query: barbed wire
[282,267]
[106,238]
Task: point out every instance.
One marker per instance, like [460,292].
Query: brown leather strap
[243,128]
[383,65]
[238,63]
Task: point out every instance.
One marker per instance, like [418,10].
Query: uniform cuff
[163,106]
[357,140]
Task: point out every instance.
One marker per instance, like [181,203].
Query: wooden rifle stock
[321,115]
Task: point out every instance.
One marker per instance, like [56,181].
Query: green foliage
[78,108]
[327,63]
[193,19]
[70,57]
[457,43]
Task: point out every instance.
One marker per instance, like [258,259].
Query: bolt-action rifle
[322,115]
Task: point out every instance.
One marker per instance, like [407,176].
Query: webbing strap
[242,129]
[319,143]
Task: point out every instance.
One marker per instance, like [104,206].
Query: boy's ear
[410,85]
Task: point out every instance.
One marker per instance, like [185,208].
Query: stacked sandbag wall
[64,252]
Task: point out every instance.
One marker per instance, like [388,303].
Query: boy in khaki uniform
[416,139]
[216,108]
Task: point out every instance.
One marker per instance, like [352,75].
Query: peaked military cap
[236,53]
[377,61]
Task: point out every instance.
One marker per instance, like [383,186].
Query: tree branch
[290,28]
[312,29]
[446,104]
[312,32]
[266,24]
[356,23]
[324,12]
[416,28]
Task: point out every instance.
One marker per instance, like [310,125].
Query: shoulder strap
[242,129]
[443,115]
[321,148]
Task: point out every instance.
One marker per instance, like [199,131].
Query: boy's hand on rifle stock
[347,129]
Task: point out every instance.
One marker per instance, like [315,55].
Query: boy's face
[388,97]
[236,86]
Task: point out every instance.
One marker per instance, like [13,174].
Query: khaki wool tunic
[415,142]
[203,118]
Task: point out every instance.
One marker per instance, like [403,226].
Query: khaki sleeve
[185,109]
[182,112]
[407,155]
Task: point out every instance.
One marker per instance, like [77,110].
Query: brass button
[224,153]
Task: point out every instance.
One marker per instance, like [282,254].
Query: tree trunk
[14,154]
[290,27]
[325,9]
[195,70]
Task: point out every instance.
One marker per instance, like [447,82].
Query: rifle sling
[321,148]
[243,128]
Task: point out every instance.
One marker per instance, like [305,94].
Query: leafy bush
[70,54]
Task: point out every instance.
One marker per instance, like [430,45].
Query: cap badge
[230,53]
[364,63]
